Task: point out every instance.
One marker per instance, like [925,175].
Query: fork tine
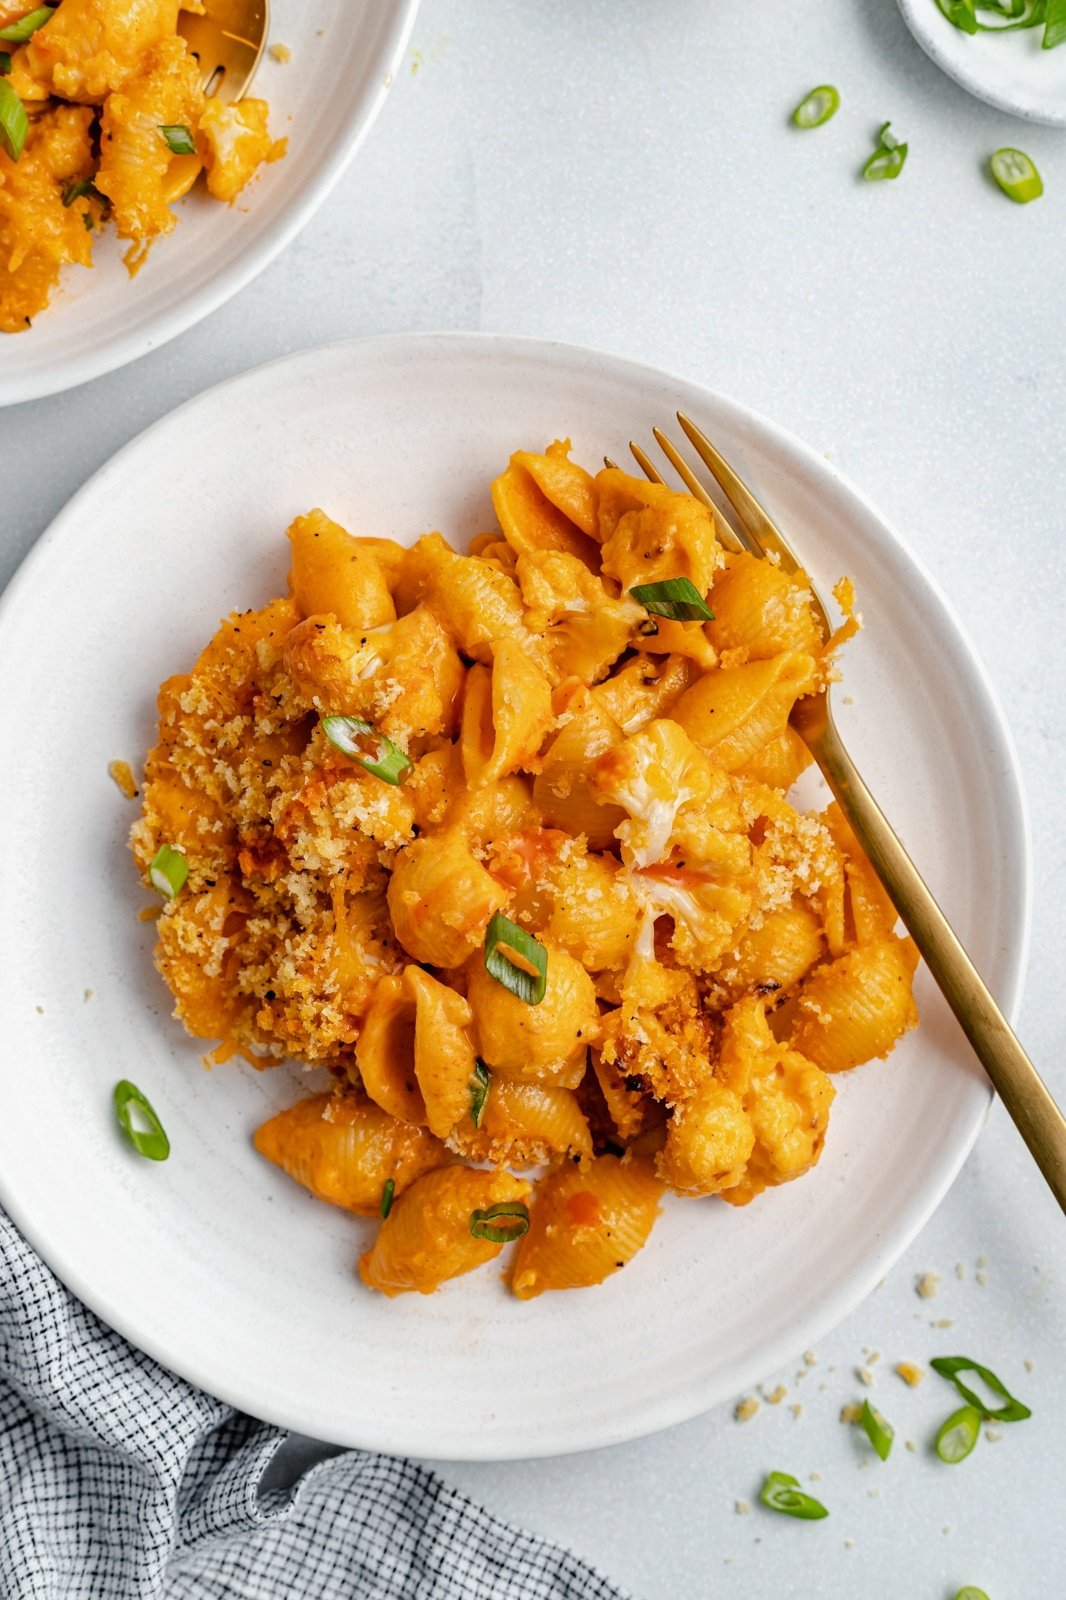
[644,463]
[761,531]
[683,470]
[727,534]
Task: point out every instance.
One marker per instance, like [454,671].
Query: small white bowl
[1011,71]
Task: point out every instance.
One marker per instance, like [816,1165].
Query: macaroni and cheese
[502,840]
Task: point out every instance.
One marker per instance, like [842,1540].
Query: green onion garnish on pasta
[168,871]
[82,188]
[958,1435]
[18,32]
[516,960]
[479,1092]
[372,750]
[500,1224]
[179,138]
[386,1197]
[151,1141]
[781,1492]
[1016,174]
[817,107]
[676,598]
[879,1432]
[1011,1411]
[14,123]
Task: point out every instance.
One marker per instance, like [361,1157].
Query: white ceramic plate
[343,61]
[216,1263]
[1012,72]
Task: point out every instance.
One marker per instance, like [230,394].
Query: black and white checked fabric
[119,1481]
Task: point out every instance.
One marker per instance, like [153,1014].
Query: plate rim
[248,264]
[669,1411]
[935,44]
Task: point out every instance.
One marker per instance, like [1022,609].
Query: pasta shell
[586,1223]
[426,1237]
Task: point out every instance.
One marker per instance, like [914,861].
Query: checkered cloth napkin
[118,1481]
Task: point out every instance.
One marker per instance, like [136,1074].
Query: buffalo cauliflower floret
[236,141]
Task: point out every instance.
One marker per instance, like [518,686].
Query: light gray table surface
[622,175]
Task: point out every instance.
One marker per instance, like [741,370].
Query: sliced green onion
[179,138]
[500,1224]
[970,1593]
[676,598]
[82,188]
[1055,24]
[887,160]
[14,123]
[821,104]
[514,958]
[168,871]
[961,13]
[959,1434]
[18,32]
[1016,175]
[5,63]
[386,1197]
[879,1432]
[1011,1411]
[87,219]
[372,750]
[151,1142]
[782,1493]
[479,1091]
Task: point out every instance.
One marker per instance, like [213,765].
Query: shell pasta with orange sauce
[502,840]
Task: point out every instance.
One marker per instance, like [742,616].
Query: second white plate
[214,1262]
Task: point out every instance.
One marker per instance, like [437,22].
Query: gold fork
[227,39]
[1015,1079]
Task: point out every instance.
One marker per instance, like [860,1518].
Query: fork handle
[1017,1082]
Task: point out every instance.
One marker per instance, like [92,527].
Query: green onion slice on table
[151,1141]
[479,1091]
[1010,1411]
[500,1224]
[386,1197]
[168,871]
[371,749]
[1016,174]
[888,159]
[959,1434]
[970,1593]
[514,958]
[676,598]
[781,1492]
[179,138]
[18,32]
[14,123]
[817,107]
[879,1432]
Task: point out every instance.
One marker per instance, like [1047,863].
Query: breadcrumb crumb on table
[910,1373]
[850,1412]
[810,1359]
[927,1285]
[280,52]
[865,1376]
[745,1409]
[121,774]
[741,1507]
[775,1397]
